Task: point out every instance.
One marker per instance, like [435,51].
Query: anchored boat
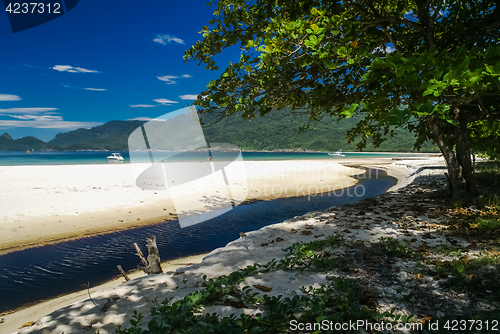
[337,154]
[116,157]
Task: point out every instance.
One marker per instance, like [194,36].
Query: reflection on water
[41,273]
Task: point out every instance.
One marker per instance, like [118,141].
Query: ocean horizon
[18,158]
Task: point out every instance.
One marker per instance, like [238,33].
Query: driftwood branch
[141,256]
[88,290]
[109,301]
[153,264]
[124,274]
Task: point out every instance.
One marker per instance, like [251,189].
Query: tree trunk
[463,153]
[153,256]
[457,186]
[153,264]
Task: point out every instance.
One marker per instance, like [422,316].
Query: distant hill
[276,131]
[21,144]
[110,136]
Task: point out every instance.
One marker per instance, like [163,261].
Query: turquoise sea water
[9,158]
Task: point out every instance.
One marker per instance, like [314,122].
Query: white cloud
[38,117]
[146,119]
[189,97]
[42,118]
[92,89]
[165,39]
[164,101]
[9,97]
[67,68]
[142,106]
[389,48]
[30,111]
[97,89]
[168,79]
[48,124]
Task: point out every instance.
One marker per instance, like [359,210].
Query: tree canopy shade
[431,66]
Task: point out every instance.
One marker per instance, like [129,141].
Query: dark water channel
[42,273]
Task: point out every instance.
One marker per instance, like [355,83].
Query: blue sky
[101,61]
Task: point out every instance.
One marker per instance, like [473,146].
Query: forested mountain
[276,131]
[21,144]
[280,130]
[112,135]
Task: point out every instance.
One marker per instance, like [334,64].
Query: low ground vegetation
[443,264]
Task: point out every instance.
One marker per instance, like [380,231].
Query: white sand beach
[42,204]
[259,246]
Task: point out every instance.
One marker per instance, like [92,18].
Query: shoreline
[414,155]
[248,151]
[49,225]
[392,170]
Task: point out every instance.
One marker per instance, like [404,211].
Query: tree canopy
[430,66]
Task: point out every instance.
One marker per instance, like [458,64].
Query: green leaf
[315,27]
[463,64]
[496,68]
[248,68]
[451,121]
[350,112]
[330,65]
[460,268]
[475,79]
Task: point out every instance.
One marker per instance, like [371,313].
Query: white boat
[115,156]
[337,154]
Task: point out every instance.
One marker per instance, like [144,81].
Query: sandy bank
[42,204]
[12,321]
